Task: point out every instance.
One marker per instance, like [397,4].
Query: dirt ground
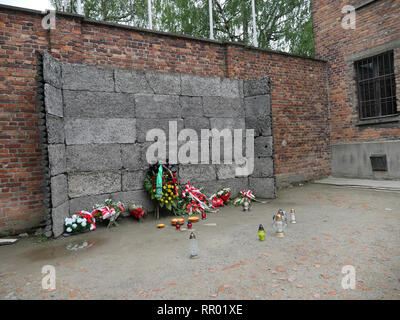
[337,226]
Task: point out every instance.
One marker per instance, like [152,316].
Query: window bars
[376,86]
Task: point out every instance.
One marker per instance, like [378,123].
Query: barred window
[376,86]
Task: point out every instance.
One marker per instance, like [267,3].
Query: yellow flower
[164,187]
[166,201]
[169,198]
[154,190]
[162,200]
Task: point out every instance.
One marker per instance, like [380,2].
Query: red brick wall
[299,96]
[377,24]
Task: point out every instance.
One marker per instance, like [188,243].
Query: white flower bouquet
[80,222]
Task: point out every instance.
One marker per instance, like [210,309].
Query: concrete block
[86,131]
[197,124]
[134,156]
[91,78]
[145,125]
[210,187]
[227,123]
[98,157]
[256,87]
[53,100]
[262,125]
[230,88]
[263,187]
[59,190]
[197,172]
[263,147]
[257,106]
[200,86]
[133,180]
[86,184]
[86,203]
[151,106]
[51,70]
[84,104]
[263,167]
[57,161]
[221,107]
[58,216]
[55,129]
[225,171]
[139,197]
[131,81]
[191,106]
[164,83]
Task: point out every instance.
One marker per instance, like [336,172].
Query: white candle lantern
[292,216]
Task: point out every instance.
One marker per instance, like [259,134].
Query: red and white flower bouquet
[80,222]
[221,197]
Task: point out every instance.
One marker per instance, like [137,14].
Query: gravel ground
[337,226]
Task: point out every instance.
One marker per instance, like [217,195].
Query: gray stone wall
[97,119]
[352,160]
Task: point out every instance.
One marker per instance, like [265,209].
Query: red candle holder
[178,226]
[203,216]
[189,225]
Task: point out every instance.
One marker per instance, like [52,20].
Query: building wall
[377,30]
[299,95]
[97,119]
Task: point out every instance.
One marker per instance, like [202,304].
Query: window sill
[395,118]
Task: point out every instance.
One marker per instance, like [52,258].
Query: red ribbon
[249,194]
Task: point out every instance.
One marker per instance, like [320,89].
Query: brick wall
[299,96]
[377,30]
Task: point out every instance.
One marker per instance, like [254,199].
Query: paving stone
[87,131]
[131,81]
[59,190]
[90,78]
[86,184]
[58,216]
[98,157]
[53,100]
[86,104]
[151,106]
